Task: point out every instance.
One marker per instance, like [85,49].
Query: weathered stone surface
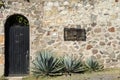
[37,22]
[93,17]
[98,56]
[97,30]
[1,15]
[107,34]
[1,39]
[114,60]
[118,57]
[102,43]
[51,42]
[106,52]
[118,37]
[9,2]
[1,70]
[112,29]
[1,59]
[1,50]
[77,47]
[66,3]
[107,60]
[109,43]
[89,29]
[112,55]
[94,51]
[93,24]
[89,47]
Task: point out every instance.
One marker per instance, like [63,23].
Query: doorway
[16,45]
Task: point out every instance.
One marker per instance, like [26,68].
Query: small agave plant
[46,64]
[93,65]
[72,65]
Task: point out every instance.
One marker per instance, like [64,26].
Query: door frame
[10,21]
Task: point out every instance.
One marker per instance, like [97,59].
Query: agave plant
[72,65]
[93,65]
[46,64]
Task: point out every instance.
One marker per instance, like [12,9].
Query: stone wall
[48,18]
[100,18]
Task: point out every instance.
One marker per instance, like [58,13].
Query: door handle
[27,54]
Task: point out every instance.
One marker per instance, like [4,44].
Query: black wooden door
[18,51]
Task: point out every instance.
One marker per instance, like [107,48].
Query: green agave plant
[93,65]
[72,65]
[46,64]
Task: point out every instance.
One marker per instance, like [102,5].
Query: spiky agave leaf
[45,64]
[67,63]
[73,65]
[78,66]
[93,64]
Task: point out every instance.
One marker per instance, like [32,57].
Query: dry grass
[113,74]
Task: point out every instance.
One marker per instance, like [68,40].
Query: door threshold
[14,78]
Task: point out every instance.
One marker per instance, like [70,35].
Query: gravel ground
[105,77]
